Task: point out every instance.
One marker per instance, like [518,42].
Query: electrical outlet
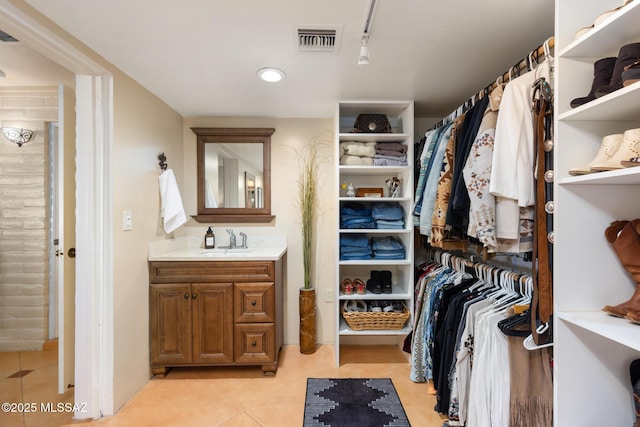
[328,295]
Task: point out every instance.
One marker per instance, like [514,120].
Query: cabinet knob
[194,296]
[186,296]
[253,343]
[253,302]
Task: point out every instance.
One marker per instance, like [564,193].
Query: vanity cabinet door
[170,323]
[254,302]
[212,311]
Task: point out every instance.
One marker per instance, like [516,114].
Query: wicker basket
[367,320]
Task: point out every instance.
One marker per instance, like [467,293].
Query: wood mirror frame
[230,136]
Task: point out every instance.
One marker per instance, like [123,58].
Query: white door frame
[94,244]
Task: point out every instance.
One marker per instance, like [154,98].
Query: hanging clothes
[513,157]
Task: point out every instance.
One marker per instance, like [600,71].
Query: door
[212,308]
[170,323]
[66,227]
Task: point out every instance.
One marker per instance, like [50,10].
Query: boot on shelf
[602,72]
[634,373]
[608,148]
[630,147]
[633,316]
[627,55]
[624,238]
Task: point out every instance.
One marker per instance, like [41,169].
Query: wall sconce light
[17,135]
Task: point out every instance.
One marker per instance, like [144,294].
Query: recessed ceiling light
[271,75]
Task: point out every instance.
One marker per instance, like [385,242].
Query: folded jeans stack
[355,247]
[388,247]
[357,153]
[356,215]
[390,154]
[388,215]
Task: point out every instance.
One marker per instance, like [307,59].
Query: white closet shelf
[607,38]
[373,137]
[369,170]
[382,297]
[346,330]
[626,176]
[377,262]
[375,230]
[375,199]
[623,104]
[616,329]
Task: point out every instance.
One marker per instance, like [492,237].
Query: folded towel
[356,160]
[172,208]
[360,149]
[392,146]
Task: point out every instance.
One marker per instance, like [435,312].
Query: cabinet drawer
[254,302]
[255,342]
[211,271]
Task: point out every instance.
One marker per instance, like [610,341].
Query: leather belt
[542,299]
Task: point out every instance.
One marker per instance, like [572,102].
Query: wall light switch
[328,295]
[127,220]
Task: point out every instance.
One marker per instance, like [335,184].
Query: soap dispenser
[209,239]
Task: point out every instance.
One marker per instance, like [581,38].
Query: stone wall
[24,218]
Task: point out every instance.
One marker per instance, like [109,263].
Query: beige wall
[24,218]
[143,128]
[289,134]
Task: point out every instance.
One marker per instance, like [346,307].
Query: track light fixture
[363,59]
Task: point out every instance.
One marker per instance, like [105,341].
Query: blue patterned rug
[345,402]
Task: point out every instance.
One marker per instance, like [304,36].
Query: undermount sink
[226,251]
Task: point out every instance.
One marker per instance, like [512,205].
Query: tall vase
[307,305]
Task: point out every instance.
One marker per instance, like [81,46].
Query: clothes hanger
[530,344]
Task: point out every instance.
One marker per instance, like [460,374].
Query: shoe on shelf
[634,161]
[386,281]
[633,316]
[374,284]
[608,148]
[387,306]
[360,286]
[631,73]
[346,286]
[630,147]
[374,307]
[627,55]
[602,72]
[624,238]
[354,305]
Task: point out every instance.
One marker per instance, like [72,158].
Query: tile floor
[229,397]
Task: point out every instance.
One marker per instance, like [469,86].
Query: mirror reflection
[233,175]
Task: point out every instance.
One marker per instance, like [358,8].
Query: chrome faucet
[244,240]
[232,238]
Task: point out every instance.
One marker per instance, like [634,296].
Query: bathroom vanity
[220,307]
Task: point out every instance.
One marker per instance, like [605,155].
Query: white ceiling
[201,56]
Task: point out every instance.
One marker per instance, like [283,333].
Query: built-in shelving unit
[400,114]
[592,350]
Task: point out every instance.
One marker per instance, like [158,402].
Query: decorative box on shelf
[369,192]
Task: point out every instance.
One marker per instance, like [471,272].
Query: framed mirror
[234,174]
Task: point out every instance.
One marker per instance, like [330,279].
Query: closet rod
[515,69]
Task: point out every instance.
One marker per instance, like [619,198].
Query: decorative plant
[308,165]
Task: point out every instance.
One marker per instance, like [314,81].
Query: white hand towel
[172,208]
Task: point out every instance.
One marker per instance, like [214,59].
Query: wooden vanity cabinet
[223,313]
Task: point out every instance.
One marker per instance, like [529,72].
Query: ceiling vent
[317,39]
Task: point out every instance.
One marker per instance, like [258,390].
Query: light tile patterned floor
[229,397]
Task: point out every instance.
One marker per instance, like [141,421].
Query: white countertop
[259,248]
